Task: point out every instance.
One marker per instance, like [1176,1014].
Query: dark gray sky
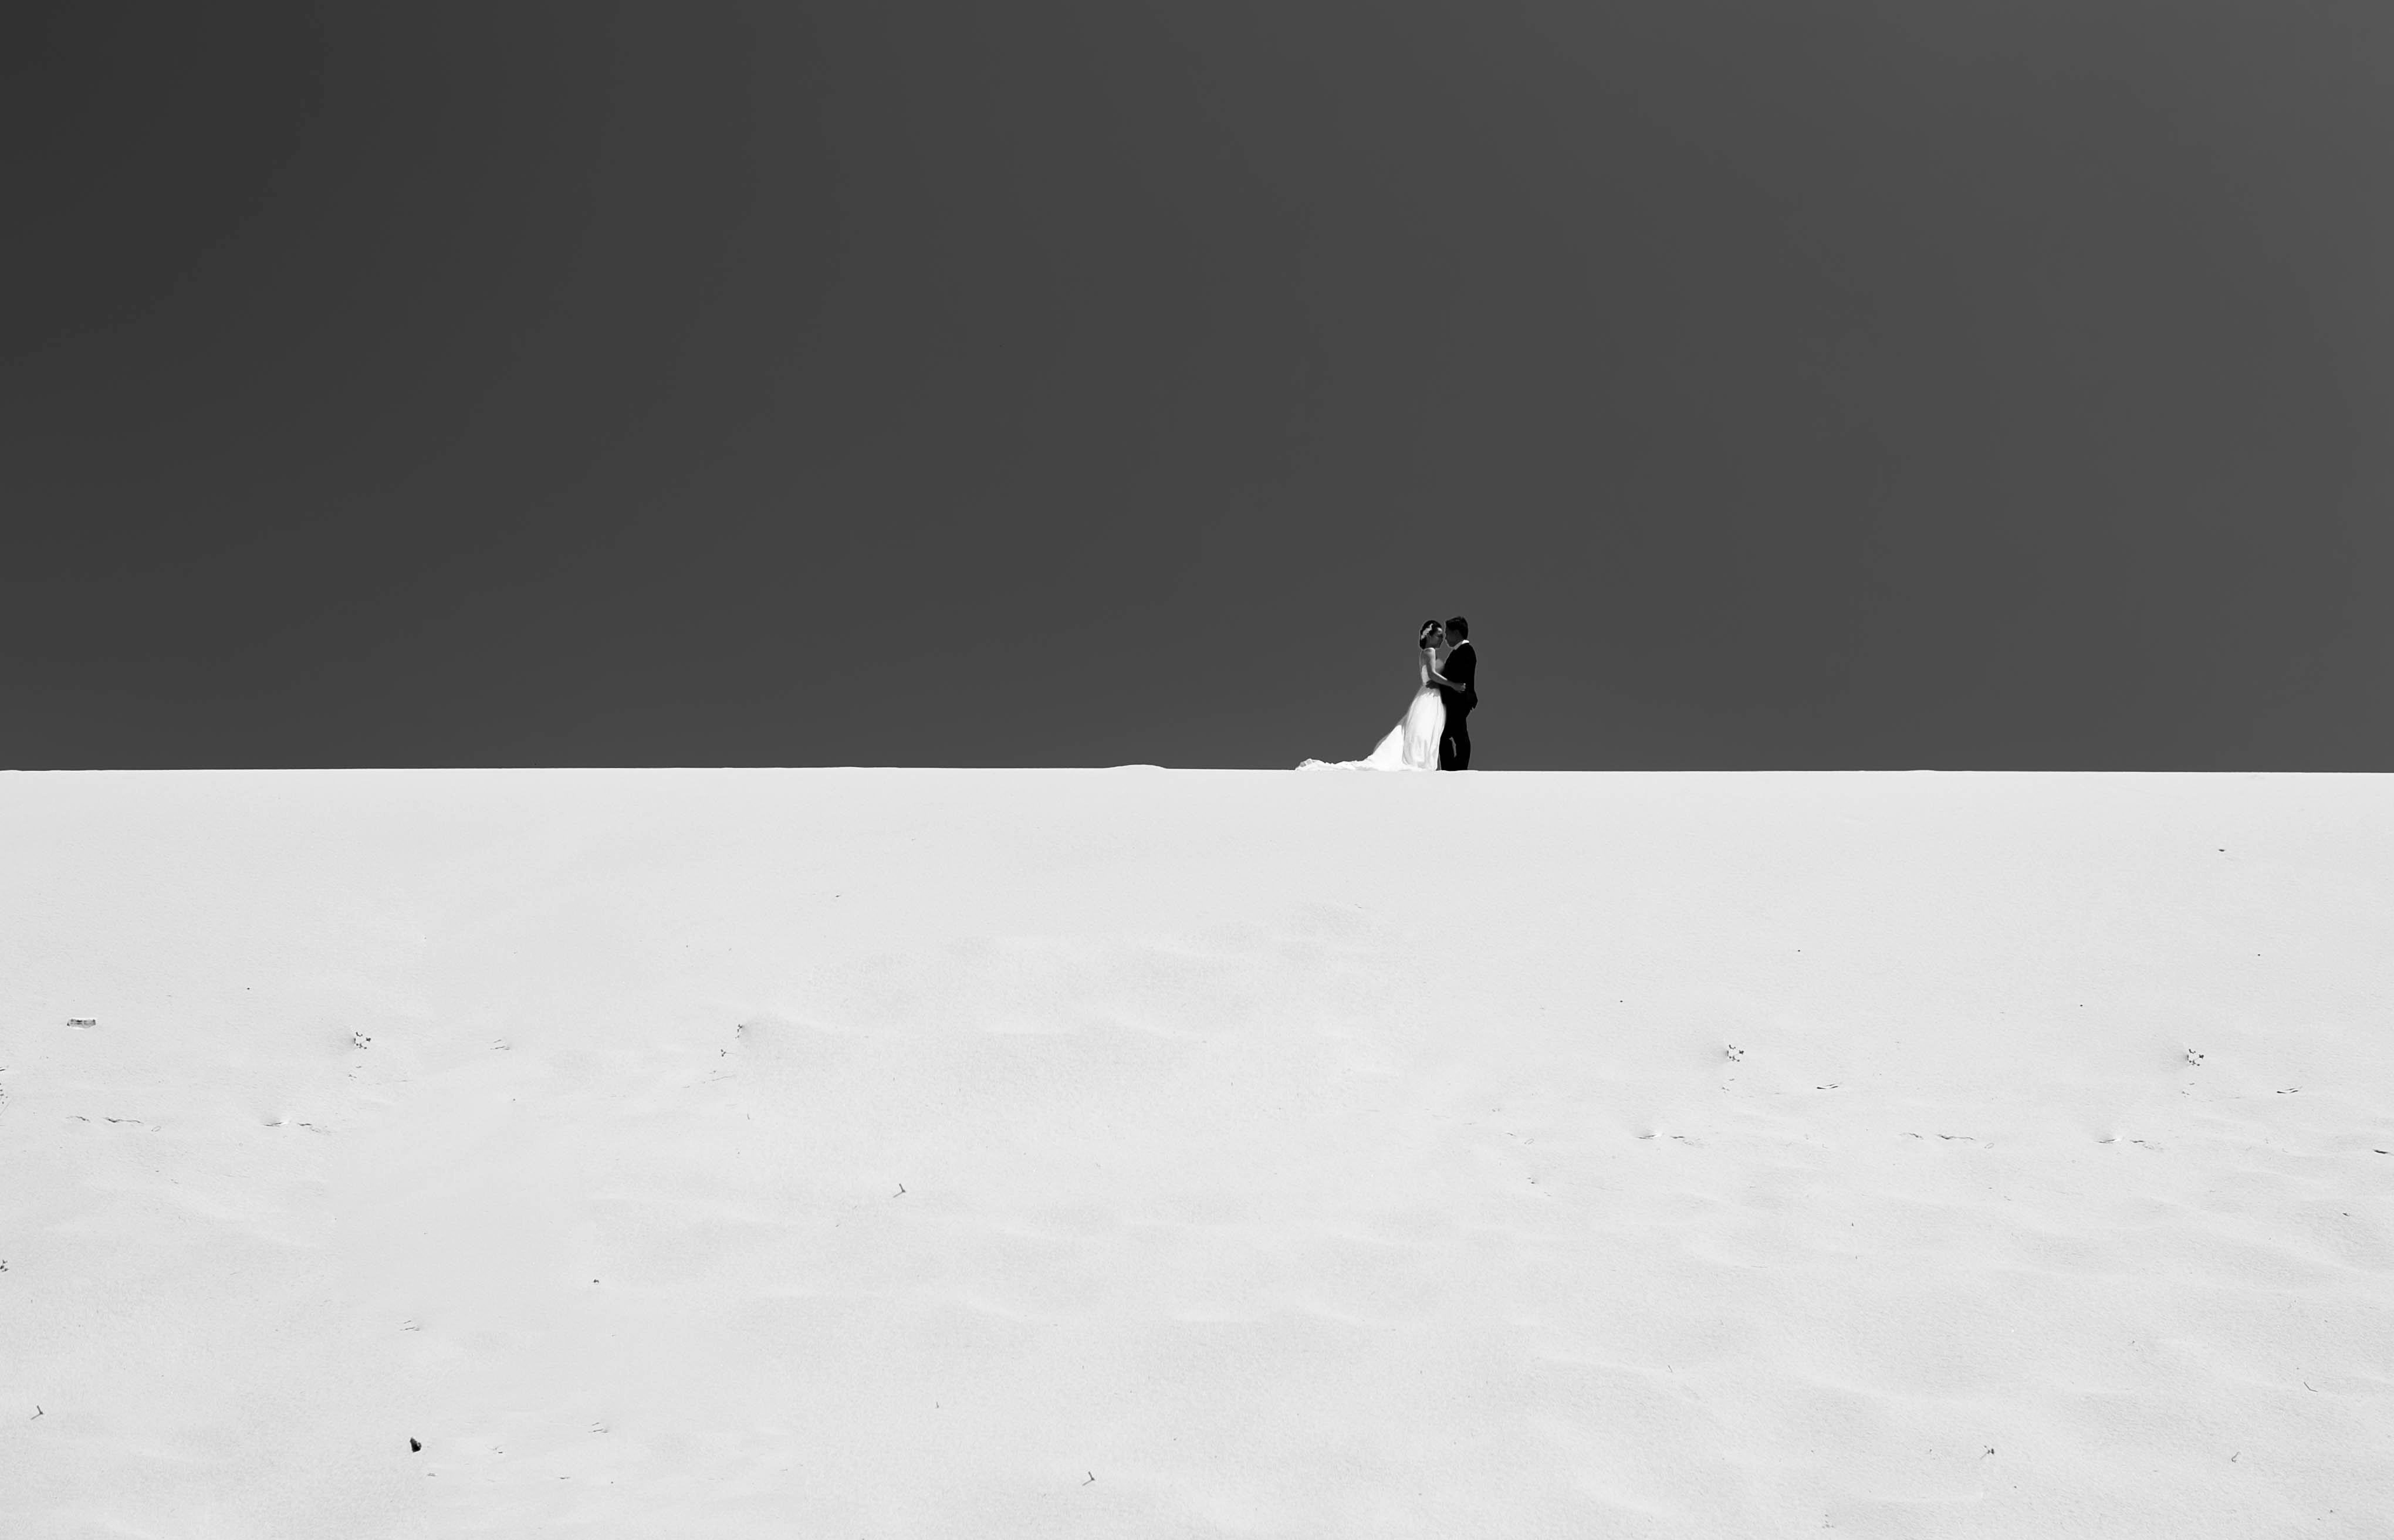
[1774,385]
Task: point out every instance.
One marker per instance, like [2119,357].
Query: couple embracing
[1435,733]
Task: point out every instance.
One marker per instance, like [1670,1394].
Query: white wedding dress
[1412,744]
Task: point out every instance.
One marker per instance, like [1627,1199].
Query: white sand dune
[1084,1154]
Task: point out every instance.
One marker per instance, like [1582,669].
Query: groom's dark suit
[1460,695]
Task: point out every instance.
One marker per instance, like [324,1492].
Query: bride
[1412,744]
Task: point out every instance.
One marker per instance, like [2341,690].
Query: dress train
[1412,744]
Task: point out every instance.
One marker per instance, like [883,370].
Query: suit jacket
[1462,666]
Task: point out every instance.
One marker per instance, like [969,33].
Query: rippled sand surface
[1144,1153]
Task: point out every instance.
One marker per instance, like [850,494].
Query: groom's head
[1458,629]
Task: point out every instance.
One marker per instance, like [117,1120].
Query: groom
[1454,687]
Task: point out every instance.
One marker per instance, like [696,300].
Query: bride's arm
[1429,666]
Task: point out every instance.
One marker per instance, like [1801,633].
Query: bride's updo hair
[1429,629]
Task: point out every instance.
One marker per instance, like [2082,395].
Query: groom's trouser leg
[1455,745]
